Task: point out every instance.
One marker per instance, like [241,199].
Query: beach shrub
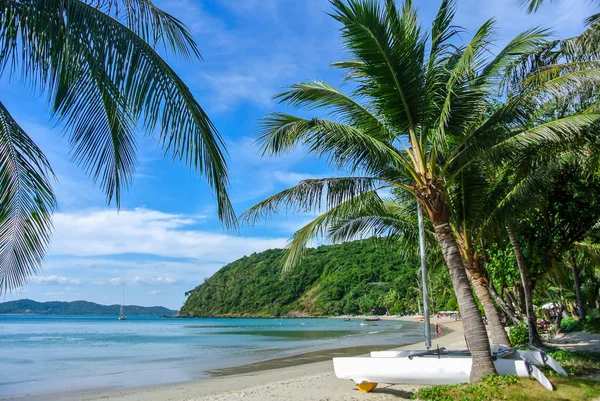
[519,335]
[591,324]
[577,362]
[569,325]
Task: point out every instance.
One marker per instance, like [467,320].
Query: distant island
[28,306]
[359,277]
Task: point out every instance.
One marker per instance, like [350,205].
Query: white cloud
[144,231]
[202,24]
[291,178]
[55,280]
[155,292]
[564,17]
[154,280]
[255,81]
[111,281]
[136,280]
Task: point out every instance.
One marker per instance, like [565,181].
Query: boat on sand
[536,357]
[424,369]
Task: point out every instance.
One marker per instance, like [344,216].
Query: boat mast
[424,277]
[122,302]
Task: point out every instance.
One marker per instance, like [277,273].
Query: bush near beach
[582,383]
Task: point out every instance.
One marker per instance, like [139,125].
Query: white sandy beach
[311,382]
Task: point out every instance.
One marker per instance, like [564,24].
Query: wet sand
[291,378]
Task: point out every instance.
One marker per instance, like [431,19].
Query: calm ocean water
[40,354]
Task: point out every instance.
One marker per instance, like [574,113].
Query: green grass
[511,388]
[576,363]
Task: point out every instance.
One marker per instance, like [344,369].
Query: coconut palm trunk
[577,281]
[506,308]
[480,285]
[534,337]
[475,333]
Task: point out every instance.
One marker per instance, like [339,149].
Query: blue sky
[166,239]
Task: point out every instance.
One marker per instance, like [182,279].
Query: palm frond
[460,90]
[532,5]
[154,26]
[442,31]
[528,43]
[390,46]
[66,44]
[297,245]
[26,204]
[553,136]
[344,145]
[320,95]
[313,195]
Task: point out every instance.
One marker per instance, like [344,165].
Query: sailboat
[121,313]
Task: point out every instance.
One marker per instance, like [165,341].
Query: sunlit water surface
[45,353]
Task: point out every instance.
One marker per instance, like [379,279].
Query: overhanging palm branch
[26,204]
[105,81]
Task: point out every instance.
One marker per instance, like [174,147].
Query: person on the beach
[438,329]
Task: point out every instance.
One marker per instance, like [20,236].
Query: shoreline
[282,378]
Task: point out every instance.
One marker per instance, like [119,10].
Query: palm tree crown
[97,62]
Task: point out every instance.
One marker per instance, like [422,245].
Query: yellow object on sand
[366,387]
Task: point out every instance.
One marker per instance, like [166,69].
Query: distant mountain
[22,306]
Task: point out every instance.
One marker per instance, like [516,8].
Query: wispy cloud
[292,178]
[137,280]
[150,232]
[55,280]
[563,17]
[155,292]
[255,82]
[154,280]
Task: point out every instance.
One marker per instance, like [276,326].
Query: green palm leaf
[77,45]
[98,64]
[313,195]
[26,204]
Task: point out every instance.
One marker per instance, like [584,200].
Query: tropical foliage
[352,278]
[425,117]
[97,62]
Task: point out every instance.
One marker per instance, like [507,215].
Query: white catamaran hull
[429,370]
[537,358]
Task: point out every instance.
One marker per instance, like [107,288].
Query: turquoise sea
[45,353]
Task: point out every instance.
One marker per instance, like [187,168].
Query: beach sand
[576,341]
[310,382]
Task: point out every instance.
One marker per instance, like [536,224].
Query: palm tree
[98,64]
[418,114]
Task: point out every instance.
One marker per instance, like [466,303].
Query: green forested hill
[350,278]
[22,306]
